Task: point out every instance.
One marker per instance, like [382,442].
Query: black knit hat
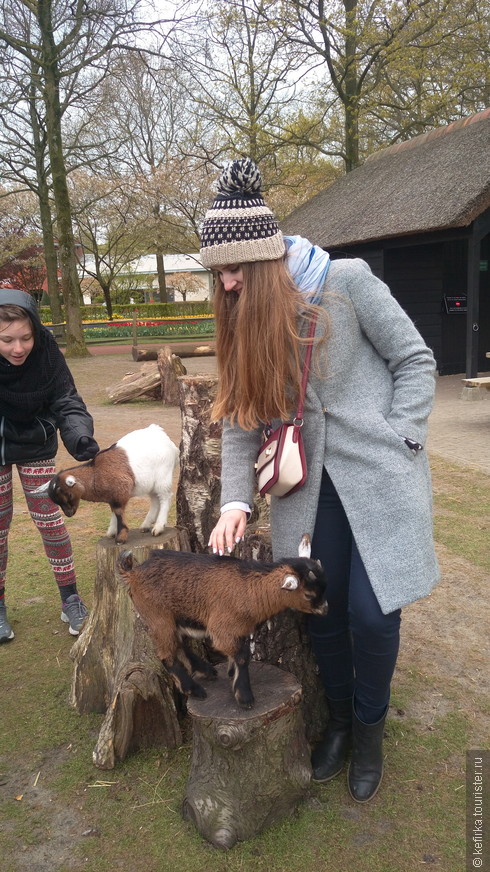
[239,227]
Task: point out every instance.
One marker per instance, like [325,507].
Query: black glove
[87,448]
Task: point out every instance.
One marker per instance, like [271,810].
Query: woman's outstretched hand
[228,531]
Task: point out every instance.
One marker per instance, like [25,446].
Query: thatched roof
[436,181]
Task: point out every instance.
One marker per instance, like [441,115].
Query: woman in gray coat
[367,500]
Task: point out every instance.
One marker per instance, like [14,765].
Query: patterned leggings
[45,515]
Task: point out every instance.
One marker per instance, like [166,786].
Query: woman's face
[16,341]
[231,277]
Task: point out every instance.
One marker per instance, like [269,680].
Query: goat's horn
[126,560]
[304,549]
[42,489]
[290,582]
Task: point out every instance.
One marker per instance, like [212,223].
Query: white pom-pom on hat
[239,177]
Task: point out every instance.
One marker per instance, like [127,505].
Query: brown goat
[141,463]
[179,594]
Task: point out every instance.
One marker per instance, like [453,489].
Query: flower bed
[169,327]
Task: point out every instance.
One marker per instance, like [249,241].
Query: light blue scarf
[308,265]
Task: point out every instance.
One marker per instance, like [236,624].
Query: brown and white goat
[141,463]
[178,594]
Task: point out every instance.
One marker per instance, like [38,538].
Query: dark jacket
[38,398]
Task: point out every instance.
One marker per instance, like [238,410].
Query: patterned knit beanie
[239,227]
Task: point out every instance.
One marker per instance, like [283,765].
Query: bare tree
[110,224]
[243,78]
[57,43]
[150,111]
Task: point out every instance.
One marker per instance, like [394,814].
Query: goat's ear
[70,480]
[290,582]
[43,489]
[304,549]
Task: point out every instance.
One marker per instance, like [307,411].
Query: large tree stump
[199,487]
[249,768]
[283,640]
[116,669]
[170,368]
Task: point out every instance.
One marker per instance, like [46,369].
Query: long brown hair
[258,345]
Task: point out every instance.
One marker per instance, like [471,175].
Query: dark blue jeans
[355,644]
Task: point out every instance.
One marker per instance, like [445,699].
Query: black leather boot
[329,756]
[366,765]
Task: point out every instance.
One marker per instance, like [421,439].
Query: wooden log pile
[145,383]
[155,380]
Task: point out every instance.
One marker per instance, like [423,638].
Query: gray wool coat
[372,384]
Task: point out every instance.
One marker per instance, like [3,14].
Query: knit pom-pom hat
[239,227]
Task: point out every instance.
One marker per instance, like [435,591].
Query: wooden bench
[484,382]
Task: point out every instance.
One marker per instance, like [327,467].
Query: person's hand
[228,531]
[86,449]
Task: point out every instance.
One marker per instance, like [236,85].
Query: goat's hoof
[198,692]
[245,703]
[157,530]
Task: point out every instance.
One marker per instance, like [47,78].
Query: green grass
[58,813]
[462,518]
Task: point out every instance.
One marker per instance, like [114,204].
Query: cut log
[146,383]
[170,368]
[116,669]
[182,349]
[251,768]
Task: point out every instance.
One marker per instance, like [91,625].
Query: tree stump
[250,768]
[284,640]
[170,368]
[198,490]
[116,669]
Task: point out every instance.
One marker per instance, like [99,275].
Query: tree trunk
[50,256]
[75,340]
[170,368]
[251,768]
[162,283]
[284,640]
[198,490]
[351,86]
[116,669]
[106,290]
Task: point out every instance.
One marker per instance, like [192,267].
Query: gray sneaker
[74,612]
[6,632]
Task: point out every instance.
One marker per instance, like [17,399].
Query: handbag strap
[298,419]
[306,371]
